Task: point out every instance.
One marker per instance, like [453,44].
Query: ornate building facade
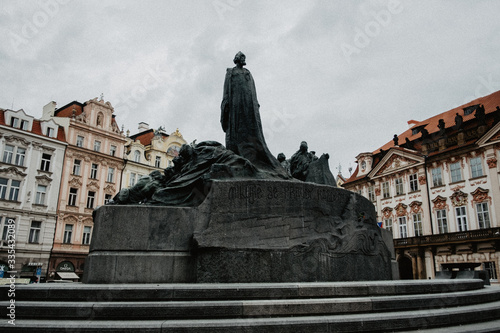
[436,187]
[31,155]
[91,176]
[149,150]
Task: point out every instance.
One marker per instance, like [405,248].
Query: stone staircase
[376,306]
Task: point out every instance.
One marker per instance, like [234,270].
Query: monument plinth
[244,231]
[234,213]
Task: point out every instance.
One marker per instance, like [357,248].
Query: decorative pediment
[12,172]
[458,198]
[109,189]
[396,160]
[70,219]
[387,212]
[401,209]
[43,180]
[93,185]
[17,139]
[75,182]
[492,136]
[480,195]
[439,203]
[415,206]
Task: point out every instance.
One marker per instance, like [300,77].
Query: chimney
[143,126]
[48,110]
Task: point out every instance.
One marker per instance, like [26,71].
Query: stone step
[238,291]
[154,309]
[365,322]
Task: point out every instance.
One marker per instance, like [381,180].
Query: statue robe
[240,119]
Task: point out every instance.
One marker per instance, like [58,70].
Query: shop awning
[70,276]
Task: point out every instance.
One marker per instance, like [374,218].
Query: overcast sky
[345,76]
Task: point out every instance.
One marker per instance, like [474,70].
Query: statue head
[239,58]
[303,146]
[281,157]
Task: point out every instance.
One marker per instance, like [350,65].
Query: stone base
[244,231]
[288,266]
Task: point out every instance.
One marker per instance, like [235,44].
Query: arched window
[137,156]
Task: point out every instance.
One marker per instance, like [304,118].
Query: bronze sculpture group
[245,155]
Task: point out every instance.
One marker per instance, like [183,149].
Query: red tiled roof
[146,136]
[490,103]
[36,127]
[67,110]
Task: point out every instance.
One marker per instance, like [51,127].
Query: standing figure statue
[299,162]
[240,119]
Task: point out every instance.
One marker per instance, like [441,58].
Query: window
[111,175]
[45,165]
[3,187]
[388,224]
[14,190]
[79,141]
[73,193]
[442,221]
[34,236]
[90,199]
[399,186]
[157,161]
[86,235]
[413,182]
[7,154]
[97,146]
[20,155]
[14,122]
[93,171]
[489,266]
[41,190]
[386,193]
[476,168]
[402,227]
[24,125]
[132,179]
[456,173]
[137,156]
[77,167]
[437,178]
[107,198]
[461,218]
[371,193]
[417,224]
[68,232]
[112,150]
[483,217]
[4,223]
[50,132]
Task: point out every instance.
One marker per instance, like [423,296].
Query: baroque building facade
[436,187]
[149,150]
[91,176]
[31,158]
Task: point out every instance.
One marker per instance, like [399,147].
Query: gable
[492,136]
[396,160]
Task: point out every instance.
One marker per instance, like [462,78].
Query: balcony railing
[452,237]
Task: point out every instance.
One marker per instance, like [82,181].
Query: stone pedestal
[244,231]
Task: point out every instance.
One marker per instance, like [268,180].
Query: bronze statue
[240,119]
[299,162]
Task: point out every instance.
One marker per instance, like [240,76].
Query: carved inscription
[253,193]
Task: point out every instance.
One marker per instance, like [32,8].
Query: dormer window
[50,132]
[14,122]
[363,165]
[24,125]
